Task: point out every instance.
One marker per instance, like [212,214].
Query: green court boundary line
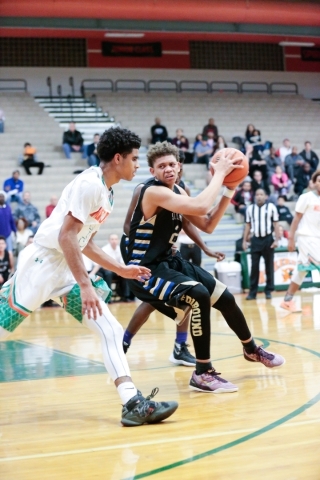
[245,438]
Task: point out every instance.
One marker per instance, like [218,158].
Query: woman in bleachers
[243,198]
[22,235]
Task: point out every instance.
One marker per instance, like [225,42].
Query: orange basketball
[237,175]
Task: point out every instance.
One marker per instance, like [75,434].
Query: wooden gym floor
[60,413]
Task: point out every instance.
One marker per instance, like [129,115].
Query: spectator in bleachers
[22,235]
[210,140]
[6,261]
[272,161]
[203,152]
[310,187]
[256,162]
[243,198]
[220,144]
[2,119]
[29,241]
[29,159]
[292,163]
[249,132]
[310,156]
[182,143]
[73,142]
[259,182]
[7,223]
[93,159]
[210,127]
[197,141]
[282,240]
[13,187]
[284,213]
[159,133]
[29,212]
[52,205]
[281,182]
[284,150]
[303,178]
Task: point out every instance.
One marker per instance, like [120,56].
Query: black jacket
[314,160]
[73,138]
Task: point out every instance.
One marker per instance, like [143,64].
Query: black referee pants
[261,247]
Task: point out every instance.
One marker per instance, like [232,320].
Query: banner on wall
[310,54]
[111,49]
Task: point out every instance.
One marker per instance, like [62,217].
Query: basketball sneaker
[182,356]
[290,306]
[268,359]
[210,382]
[139,410]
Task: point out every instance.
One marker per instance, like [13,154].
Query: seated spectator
[29,241]
[13,187]
[2,119]
[210,127]
[220,144]
[7,223]
[22,235]
[284,213]
[303,178]
[256,162]
[113,250]
[6,262]
[243,198]
[29,159]
[197,141]
[285,150]
[272,161]
[310,156]
[159,132]
[182,143]
[52,205]
[292,163]
[259,182]
[281,182]
[203,152]
[282,240]
[93,159]
[210,140]
[249,132]
[29,212]
[73,142]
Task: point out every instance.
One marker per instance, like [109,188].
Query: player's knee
[226,300]
[196,296]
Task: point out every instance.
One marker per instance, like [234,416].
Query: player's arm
[193,233]
[69,243]
[97,255]
[132,206]
[207,223]
[164,197]
[293,228]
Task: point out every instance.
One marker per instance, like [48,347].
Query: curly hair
[161,149]
[315,176]
[117,140]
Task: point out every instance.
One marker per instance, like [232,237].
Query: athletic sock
[203,367]
[288,297]
[127,337]
[126,391]
[181,337]
[249,346]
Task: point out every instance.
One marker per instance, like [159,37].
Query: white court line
[142,444]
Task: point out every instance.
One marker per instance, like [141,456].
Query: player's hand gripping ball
[234,178]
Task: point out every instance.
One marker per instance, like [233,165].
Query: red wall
[294,63]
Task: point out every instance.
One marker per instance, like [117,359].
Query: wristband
[227,192]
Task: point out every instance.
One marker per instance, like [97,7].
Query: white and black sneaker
[182,356]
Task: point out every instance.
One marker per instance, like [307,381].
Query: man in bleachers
[203,152]
[272,161]
[29,212]
[92,155]
[73,141]
[292,163]
[310,156]
[303,178]
[284,150]
[284,213]
[210,127]
[159,132]
[13,187]
[259,182]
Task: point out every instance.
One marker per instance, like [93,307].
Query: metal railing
[194,86]
[164,85]
[138,85]
[284,87]
[12,84]
[105,84]
[254,87]
[224,86]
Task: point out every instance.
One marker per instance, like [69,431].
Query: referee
[261,219]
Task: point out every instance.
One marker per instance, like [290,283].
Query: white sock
[126,391]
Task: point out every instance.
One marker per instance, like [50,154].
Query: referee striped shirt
[261,219]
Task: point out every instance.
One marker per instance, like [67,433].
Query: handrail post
[50,87]
[71,83]
[59,90]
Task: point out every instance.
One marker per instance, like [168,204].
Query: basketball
[234,178]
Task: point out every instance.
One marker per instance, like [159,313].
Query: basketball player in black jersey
[175,284]
[180,354]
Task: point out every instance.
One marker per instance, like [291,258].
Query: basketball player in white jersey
[53,267]
[306,224]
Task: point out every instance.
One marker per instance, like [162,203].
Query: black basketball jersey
[150,240]
[5,266]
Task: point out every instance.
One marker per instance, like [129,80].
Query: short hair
[161,149]
[117,140]
[3,238]
[307,141]
[16,171]
[262,189]
[315,176]
[284,197]
[27,144]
